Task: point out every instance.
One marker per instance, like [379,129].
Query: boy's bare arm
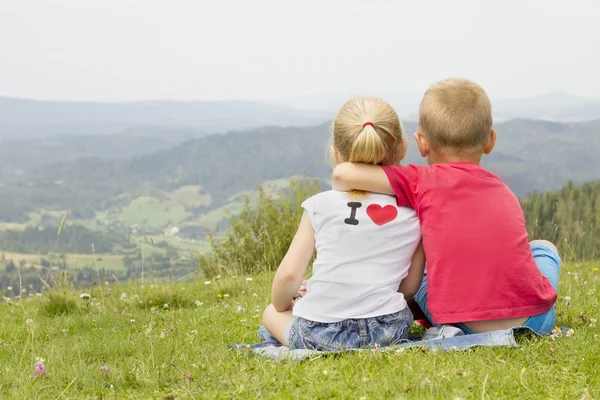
[411,284]
[370,178]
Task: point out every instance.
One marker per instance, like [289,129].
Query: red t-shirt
[479,262]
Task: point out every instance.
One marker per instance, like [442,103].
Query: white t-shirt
[364,249]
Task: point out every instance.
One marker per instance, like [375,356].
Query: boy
[482,273]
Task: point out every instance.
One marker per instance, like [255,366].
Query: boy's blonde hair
[367,130]
[456,116]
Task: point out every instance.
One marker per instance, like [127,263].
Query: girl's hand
[302,290]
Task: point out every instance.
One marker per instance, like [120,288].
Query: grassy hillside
[125,343]
[162,336]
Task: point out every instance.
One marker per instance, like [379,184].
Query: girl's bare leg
[277,322]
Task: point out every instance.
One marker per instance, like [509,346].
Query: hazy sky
[274,49]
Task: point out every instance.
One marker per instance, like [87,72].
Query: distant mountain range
[21,118]
[560,107]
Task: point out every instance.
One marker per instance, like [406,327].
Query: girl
[368,251]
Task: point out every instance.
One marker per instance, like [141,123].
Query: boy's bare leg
[277,322]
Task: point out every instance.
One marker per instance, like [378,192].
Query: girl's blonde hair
[367,130]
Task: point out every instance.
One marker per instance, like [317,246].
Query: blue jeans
[548,261]
[384,330]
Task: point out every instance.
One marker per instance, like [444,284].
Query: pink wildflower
[39,368]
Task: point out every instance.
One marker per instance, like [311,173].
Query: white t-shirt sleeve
[309,206]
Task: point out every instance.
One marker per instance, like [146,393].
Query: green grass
[135,348]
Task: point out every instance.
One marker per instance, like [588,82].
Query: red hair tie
[368,123]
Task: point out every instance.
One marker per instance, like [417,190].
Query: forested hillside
[569,217]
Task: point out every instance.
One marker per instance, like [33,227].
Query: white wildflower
[29,322]
[218,276]
[240,309]
[248,279]
[162,335]
[593,322]
[132,320]
[166,305]
[39,360]
[85,296]
[123,296]
[570,332]
[567,298]
[325,372]
[198,303]
[254,295]
[225,295]
[207,282]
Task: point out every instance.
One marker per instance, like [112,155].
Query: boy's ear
[422,143]
[490,143]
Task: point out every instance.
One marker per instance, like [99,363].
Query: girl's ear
[422,143]
[336,156]
[402,151]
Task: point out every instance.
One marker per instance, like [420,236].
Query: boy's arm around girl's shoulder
[404,182]
[371,178]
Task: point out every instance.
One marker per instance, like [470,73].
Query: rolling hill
[530,155]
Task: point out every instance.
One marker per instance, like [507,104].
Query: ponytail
[367,130]
[368,148]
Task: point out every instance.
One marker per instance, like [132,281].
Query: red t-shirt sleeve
[405,182]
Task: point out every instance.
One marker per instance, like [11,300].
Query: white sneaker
[442,332]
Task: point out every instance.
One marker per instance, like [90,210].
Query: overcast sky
[275,49]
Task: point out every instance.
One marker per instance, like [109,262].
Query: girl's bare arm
[292,269]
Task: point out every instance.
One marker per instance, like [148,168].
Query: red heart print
[382,215]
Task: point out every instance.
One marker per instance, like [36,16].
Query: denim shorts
[385,330]
[548,261]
